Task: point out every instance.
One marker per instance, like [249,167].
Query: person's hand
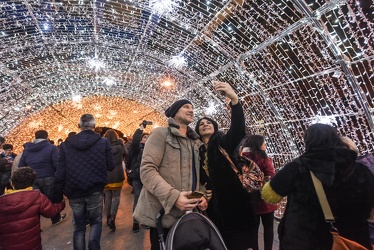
[203,205]
[185,204]
[227,90]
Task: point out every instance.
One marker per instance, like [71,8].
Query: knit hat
[215,124]
[173,109]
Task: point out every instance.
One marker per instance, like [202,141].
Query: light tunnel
[292,63]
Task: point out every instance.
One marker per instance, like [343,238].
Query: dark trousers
[268,224]
[45,185]
[155,239]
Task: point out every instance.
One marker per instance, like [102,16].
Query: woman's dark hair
[111,135]
[254,142]
[321,136]
[23,177]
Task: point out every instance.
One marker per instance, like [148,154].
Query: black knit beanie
[215,124]
[173,109]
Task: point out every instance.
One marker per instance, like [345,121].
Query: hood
[326,164]
[36,147]
[190,132]
[83,140]
[17,202]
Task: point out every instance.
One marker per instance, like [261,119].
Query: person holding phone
[230,205]
[169,171]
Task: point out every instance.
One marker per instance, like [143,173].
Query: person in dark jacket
[264,211]
[115,179]
[42,157]
[230,205]
[20,210]
[348,186]
[83,162]
[5,172]
[134,160]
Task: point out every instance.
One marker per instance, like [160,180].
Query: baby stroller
[192,231]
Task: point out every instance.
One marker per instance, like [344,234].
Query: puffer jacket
[84,160]
[166,171]
[117,175]
[41,156]
[20,219]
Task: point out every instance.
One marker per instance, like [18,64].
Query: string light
[289,63]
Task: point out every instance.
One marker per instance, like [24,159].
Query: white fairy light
[109,81]
[76,97]
[162,7]
[329,120]
[177,62]
[96,64]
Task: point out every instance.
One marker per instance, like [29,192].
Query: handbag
[251,176]
[339,242]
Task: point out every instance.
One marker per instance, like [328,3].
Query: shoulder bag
[251,176]
[339,242]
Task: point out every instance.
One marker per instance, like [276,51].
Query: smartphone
[195,194]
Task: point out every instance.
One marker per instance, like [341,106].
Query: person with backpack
[133,161]
[230,206]
[264,211]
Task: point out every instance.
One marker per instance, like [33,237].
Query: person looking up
[169,171]
[133,160]
[230,205]
[348,186]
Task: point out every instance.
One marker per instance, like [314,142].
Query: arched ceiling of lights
[291,61]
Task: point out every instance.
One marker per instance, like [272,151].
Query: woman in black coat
[230,205]
[348,186]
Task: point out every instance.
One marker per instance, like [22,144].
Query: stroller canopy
[194,231]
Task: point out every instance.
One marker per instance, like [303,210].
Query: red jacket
[20,219]
[267,167]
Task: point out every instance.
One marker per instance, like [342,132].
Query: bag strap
[329,217]
[223,151]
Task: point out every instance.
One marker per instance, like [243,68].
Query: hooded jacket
[166,170]
[42,157]
[84,160]
[20,219]
[349,189]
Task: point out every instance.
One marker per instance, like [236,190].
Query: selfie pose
[230,205]
[170,171]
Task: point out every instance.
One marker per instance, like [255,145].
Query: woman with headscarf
[348,186]
[230,205]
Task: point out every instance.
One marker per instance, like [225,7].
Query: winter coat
[5,169]
[20,219]
[117,175]
[42,157]
[84,160]
[230,207]
[266,166]
[165,171]
[135,155]
[349,189]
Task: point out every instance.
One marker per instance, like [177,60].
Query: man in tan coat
[170,171]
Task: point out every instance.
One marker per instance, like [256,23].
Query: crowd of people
[166,166]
